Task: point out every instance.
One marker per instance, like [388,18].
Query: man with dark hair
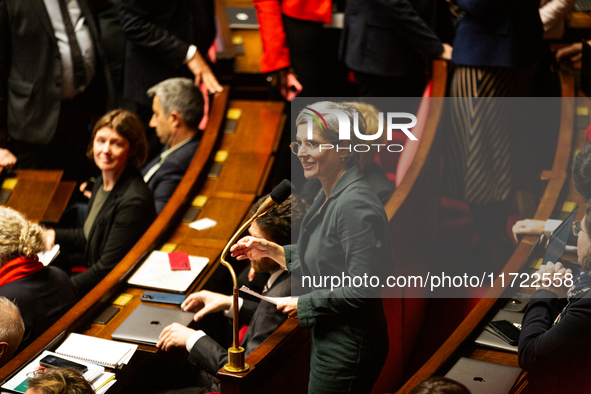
[262,319]
[177,111]
[12,329]
[439,385]
[59,381]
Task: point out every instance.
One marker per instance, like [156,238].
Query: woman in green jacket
[342,255]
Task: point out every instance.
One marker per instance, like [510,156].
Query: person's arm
[275,49]
[137,27]
[553,12]
[541,343]
[410,26]
[70,239]
[131,220]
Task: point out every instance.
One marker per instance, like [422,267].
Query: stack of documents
[97,350]
[100,380]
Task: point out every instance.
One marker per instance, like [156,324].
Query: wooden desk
[39,194]
[225,206]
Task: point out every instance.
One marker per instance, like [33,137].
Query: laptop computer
[483,377]
[489,339]
[559,238]
[146,322]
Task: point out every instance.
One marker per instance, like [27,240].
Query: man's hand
[528,227]
[7,159]
[447,52]
[203,74]
[289,307]
[573,52]
[205,302]
[251,274]
[175,335]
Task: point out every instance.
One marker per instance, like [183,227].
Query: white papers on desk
[48,256]
[97,350]
[155,273]
[96,375]
[203,224]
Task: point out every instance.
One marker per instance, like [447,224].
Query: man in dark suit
[262,318]
[177,107]
[52,79]
[165,39]
[388,46]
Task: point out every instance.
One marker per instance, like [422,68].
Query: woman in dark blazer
[554,344]
[345,233]
[122,206]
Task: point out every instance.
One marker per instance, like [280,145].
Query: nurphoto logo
[345,129]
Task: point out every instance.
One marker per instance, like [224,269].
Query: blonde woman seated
[43,294]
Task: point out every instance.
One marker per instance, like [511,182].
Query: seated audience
[439,385]
[43,294]
[12,330]
[372,172]
[177,111]
[206,355]
[555,333]
[59,381]
[122,206]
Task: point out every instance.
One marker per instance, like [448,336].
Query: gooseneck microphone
[236,353]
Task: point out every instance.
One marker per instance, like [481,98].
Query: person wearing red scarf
[43,294]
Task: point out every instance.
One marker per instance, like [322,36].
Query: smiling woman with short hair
[122,206]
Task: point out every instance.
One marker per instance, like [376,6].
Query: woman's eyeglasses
[577,228]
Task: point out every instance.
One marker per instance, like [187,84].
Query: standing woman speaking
[345,233]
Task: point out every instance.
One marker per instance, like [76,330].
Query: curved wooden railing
[282,362]
[160,229]
[486,306]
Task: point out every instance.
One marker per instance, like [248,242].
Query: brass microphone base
[236,361]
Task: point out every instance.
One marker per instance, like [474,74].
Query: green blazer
[344,235]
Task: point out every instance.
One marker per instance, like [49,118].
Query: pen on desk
[105,382]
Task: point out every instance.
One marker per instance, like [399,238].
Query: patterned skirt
[486,147]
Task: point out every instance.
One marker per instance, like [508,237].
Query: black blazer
[31,71]
[42,298]
[123,219]
[556,356]
[164,181]
[158,36]
[389,37]
[262,319]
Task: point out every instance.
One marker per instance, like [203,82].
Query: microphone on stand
[236,353]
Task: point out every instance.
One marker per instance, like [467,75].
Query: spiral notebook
[97,350]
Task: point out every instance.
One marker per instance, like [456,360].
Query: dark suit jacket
[158,36]
[124,218]
[556,356]
[498,33]
[31,70]
[262,320]
[164,181]
[388,37]
[42,298]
